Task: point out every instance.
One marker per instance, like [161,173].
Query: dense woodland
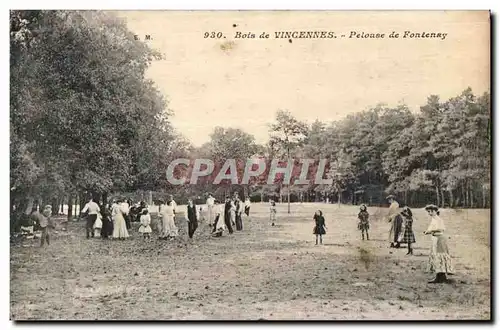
[84,120]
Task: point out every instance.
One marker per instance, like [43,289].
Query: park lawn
[262,272]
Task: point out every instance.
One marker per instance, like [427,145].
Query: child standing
[407,236]
[272,210]
[145,227]
[363,224]
[98,225]
[319,228]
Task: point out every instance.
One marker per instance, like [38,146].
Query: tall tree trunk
[70,207]
[483,191]
[76,201]
[451,197]
[262,195]
[442,198]
[340,197]
[471,192]
[55,206]
[105,198]
[466,195]
[437,195]
[82,201]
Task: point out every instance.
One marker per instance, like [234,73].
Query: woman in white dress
[233,212]
[169,229]
[119,226]
[210,209]
[219,225]
[440,261]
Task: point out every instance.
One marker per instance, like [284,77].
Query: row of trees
[442,154]
[85,120]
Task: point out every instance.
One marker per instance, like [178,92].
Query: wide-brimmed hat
[431,207]
[362,206]
[390,197]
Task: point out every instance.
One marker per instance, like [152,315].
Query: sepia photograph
[176,165]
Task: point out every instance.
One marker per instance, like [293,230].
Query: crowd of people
[114,221]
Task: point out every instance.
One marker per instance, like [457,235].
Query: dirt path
[262,272]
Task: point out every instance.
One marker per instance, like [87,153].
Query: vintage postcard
[250,165]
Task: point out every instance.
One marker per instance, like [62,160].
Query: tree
[286,134]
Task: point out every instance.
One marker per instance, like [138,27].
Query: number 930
[213,35]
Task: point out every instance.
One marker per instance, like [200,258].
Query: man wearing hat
[396,221]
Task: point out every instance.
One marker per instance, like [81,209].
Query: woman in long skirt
[119,226]
[440,261]
[395,220]
[407,236]
[168,221]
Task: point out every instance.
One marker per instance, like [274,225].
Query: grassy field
[262,272]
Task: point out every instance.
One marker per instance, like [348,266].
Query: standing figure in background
[107,224]
[227,214]
[220,222]
[247,206]
[364,223]
[407,236]
[92,209]
[45,222]
[145,221]
[272,210]
[191,217]
[170,230]
[210,209]
[239,212]
[159,221]
[233,211]
[119,226]
[319,227]
[440,261]
[396,221]
[98,224]
[125,207]
[172,203]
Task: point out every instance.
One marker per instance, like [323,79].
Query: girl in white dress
[219,225]
[119,226]
[167,216]
[145,227]
[98,225]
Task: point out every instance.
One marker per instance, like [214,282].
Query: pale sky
[241,83]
